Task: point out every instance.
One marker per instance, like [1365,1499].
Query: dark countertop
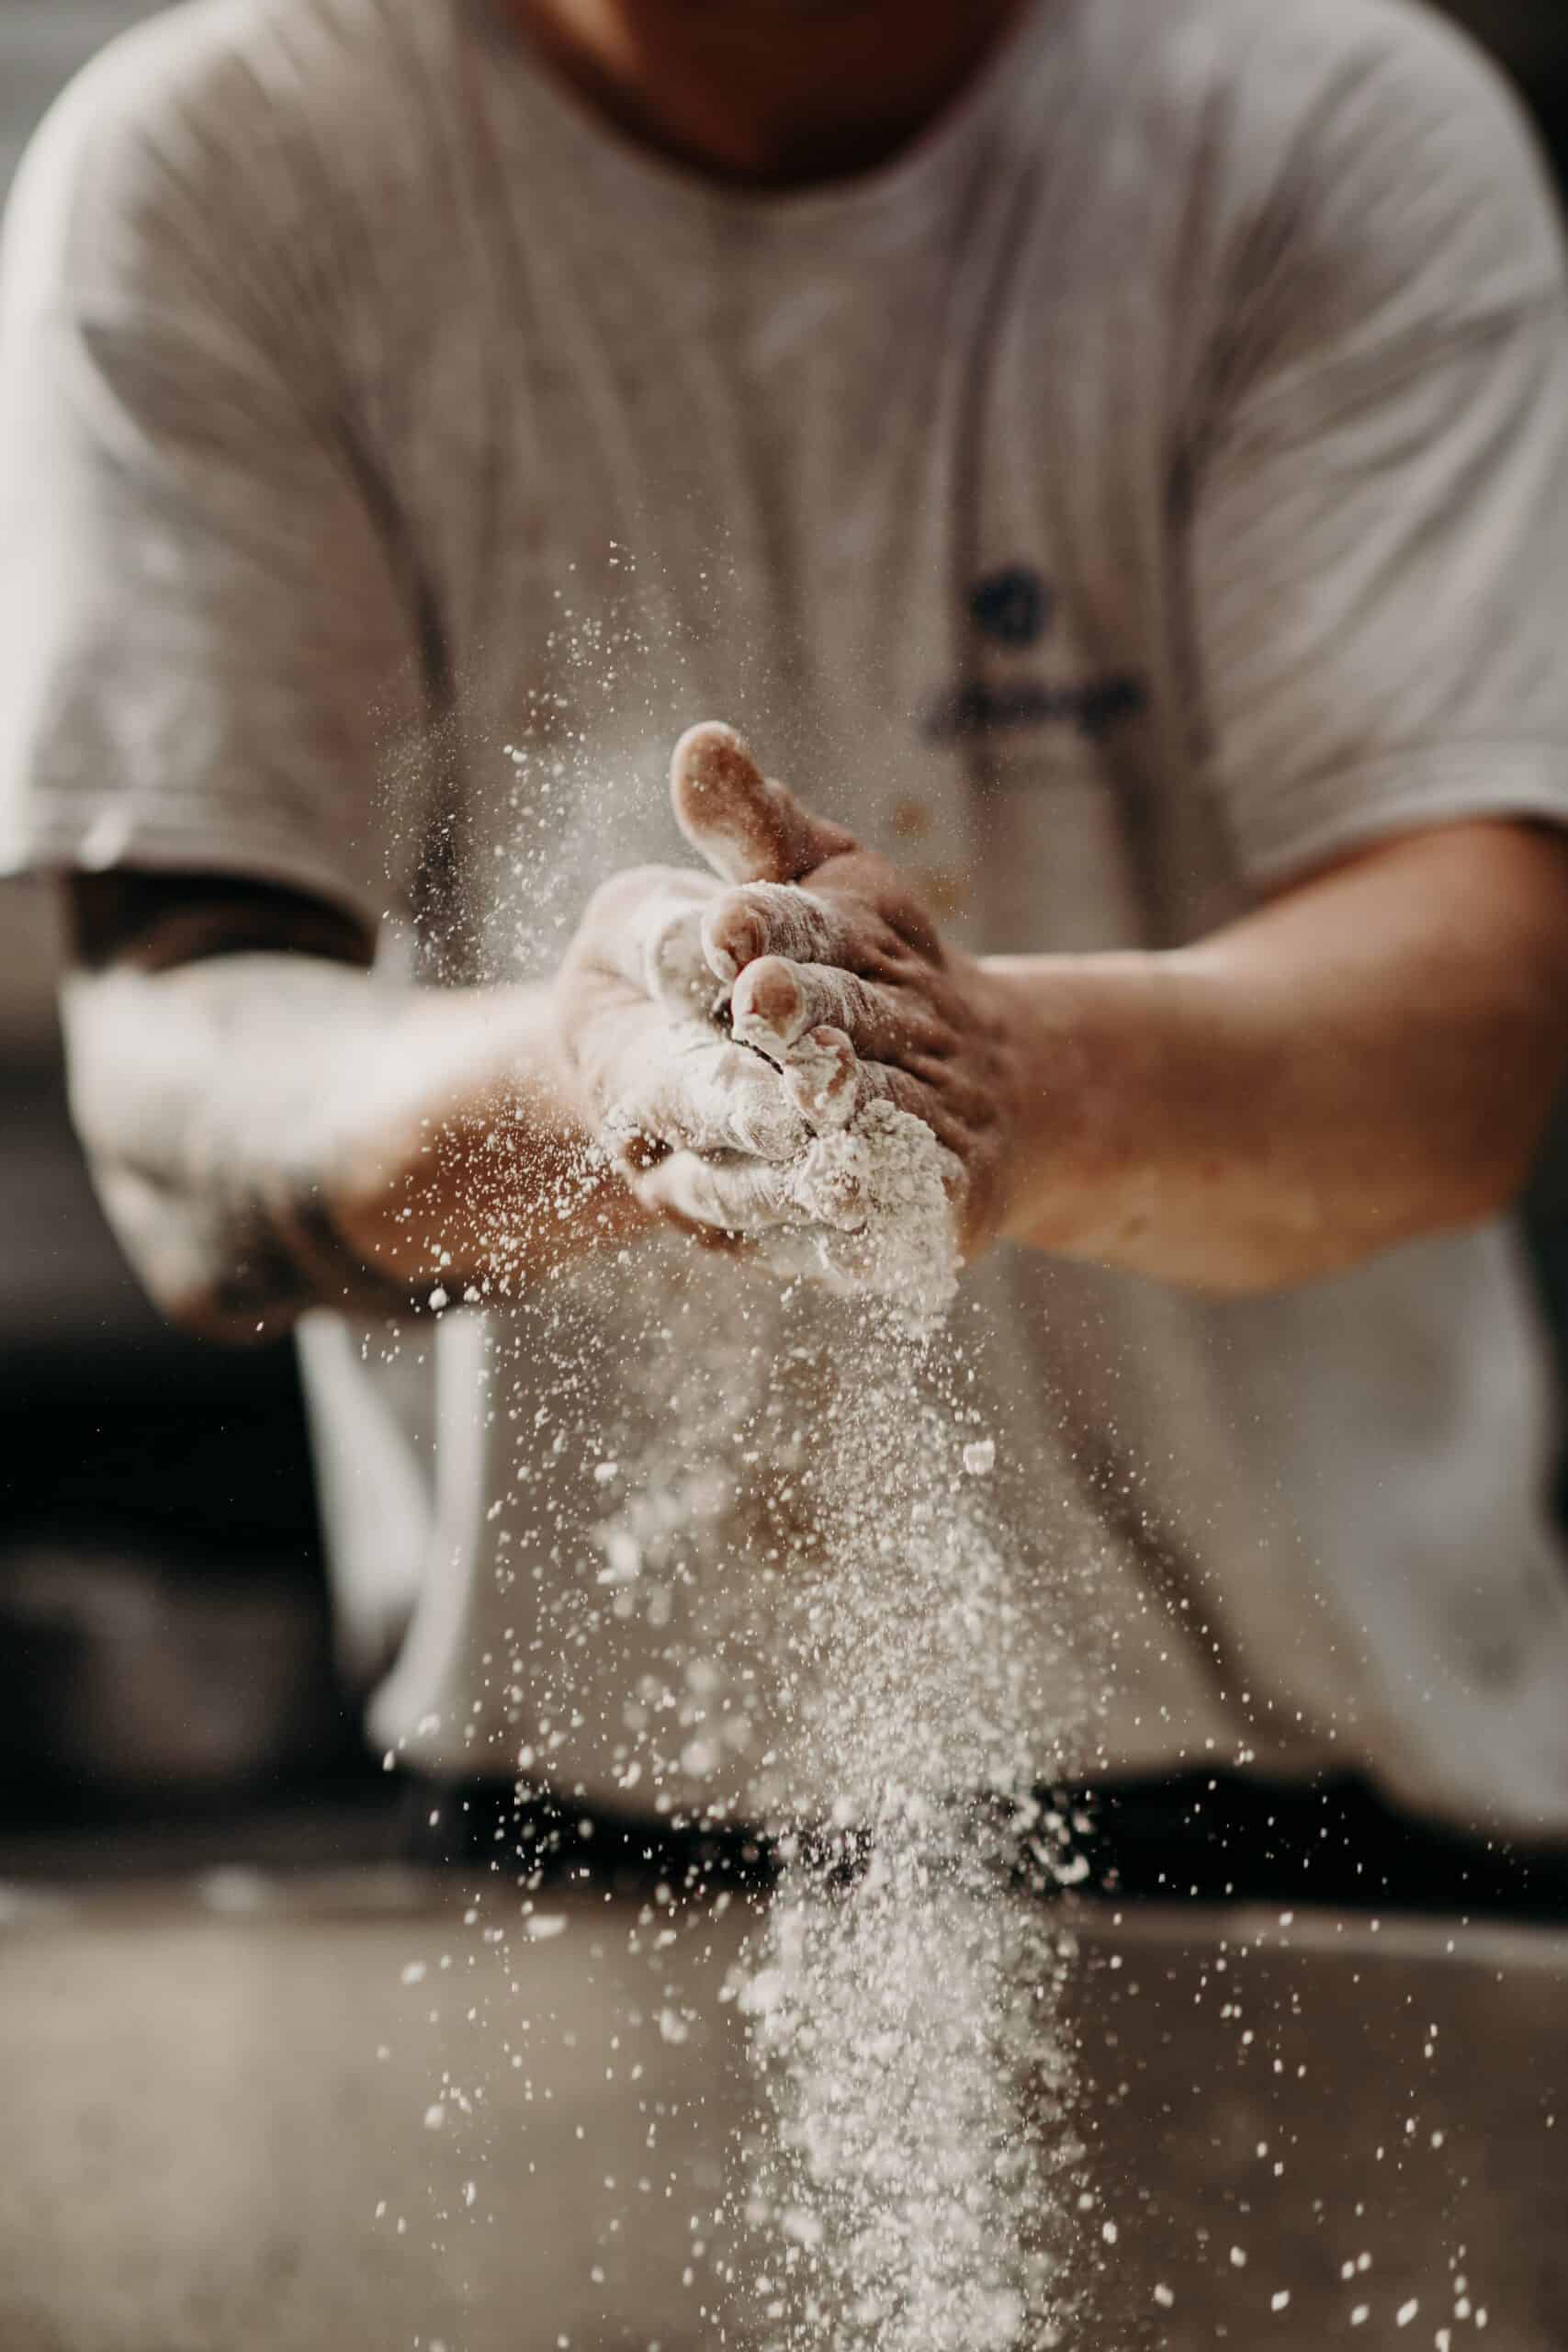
[248,2111]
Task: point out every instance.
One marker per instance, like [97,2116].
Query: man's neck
[767,93]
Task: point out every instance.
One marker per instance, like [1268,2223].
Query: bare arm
[1370,1059]
[270,1126]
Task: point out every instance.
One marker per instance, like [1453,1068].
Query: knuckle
[793,922]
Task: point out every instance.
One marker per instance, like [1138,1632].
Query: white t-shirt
[1152,481]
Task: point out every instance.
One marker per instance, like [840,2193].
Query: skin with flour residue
[815,947]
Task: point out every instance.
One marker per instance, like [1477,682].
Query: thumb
[748,827]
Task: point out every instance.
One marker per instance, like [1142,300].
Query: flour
[904,1996]
[698,1091]
[804,1601]
[824,1490]
[904,2001]
[887,1171]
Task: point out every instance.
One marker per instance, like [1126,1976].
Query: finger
[775,1002]
[821,1077]
[730,1192]
[749,829]
[699,1094]
[776,919]
[825,1186]
[650,934]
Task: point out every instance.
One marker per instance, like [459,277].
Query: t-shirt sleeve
[1380,488]
[210,658]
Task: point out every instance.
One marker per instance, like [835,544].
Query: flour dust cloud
[752,1557]
[912,2194]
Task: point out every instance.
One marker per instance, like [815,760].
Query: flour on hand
[887,1170]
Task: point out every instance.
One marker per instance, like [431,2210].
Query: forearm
[270,1131]
[1364,1062]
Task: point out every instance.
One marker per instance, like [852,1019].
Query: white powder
[888,1167]
[824,1472]
[904,1994]
[814,1480]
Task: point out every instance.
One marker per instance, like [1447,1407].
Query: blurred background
[165,1662]
[167,1668]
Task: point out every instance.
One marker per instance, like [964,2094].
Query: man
[1115,462]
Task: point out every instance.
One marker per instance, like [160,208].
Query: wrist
[464,1161]
[1070,1034]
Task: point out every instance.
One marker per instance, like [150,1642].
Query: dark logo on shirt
[1011,610]
[1012,606]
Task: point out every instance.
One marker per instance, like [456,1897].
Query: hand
[656,1077]
[832,966]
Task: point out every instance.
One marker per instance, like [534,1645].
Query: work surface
[369,2111]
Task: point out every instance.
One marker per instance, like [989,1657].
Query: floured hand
[837,977]
[658,1079]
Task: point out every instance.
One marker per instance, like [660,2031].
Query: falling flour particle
[903,1994]
[980,1458]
